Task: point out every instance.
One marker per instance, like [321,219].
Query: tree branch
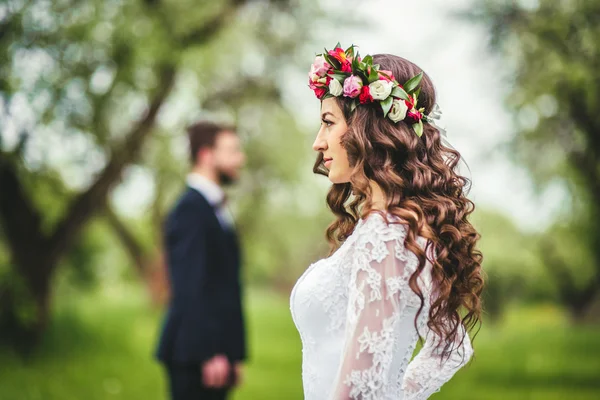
[240,88]
[87,203]
[211,27]
[128,240]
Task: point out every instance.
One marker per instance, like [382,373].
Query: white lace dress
[355,314]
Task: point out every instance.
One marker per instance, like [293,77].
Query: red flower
[338,53]
[365,95]
[414,116]
[347,66]
[320,92]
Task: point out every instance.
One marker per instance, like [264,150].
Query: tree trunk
[149,265]
[25,305]
[35,253]
[576,299]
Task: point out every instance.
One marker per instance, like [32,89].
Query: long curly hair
[422,187]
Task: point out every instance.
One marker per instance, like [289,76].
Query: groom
[202,344]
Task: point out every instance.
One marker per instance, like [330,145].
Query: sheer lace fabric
[355,314]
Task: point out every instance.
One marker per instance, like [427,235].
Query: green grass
[100,347]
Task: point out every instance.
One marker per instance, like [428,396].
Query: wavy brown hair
[422,187]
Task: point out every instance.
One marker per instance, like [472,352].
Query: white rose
[381,89]
[335,87]
[398,110]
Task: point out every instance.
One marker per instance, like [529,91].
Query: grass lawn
[100,347]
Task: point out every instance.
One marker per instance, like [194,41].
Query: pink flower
[386,75]
[315,82]
[352,86]
[365,95]
[319,68]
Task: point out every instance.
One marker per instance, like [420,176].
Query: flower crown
[343,73]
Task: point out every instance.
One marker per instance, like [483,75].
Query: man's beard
[225,178]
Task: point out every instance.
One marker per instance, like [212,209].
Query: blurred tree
[515,276]
[81,87]
[554,52]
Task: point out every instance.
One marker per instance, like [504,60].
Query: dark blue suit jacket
[205,314]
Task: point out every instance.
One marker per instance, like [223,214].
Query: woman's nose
[320,143]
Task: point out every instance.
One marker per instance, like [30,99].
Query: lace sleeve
[378,275]
[429,370]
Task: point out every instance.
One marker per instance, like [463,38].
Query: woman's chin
[336,178]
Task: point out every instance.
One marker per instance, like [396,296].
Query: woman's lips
[327,162]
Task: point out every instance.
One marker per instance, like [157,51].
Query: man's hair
[204,134]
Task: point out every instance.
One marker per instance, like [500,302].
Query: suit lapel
[228,234]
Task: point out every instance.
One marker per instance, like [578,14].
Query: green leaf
[368,60]
[373,76]
[400,93]
[332,61]
[340,76]
[338,45]
[417,93]
[363,75]
[418,127]
[386,105]
[350,52]
[353,106]
[413,82]
[354,63]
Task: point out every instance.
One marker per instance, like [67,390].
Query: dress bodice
[355,313]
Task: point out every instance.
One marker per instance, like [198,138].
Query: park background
[94,99]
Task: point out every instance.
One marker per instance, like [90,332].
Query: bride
[404,263]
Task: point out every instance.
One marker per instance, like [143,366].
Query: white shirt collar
[209,189]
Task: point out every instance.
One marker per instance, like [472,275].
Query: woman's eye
[327,123]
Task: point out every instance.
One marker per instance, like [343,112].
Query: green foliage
[512,262]
[101,347]
[554,51]
[96,260]
[552,48]
[86,76]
